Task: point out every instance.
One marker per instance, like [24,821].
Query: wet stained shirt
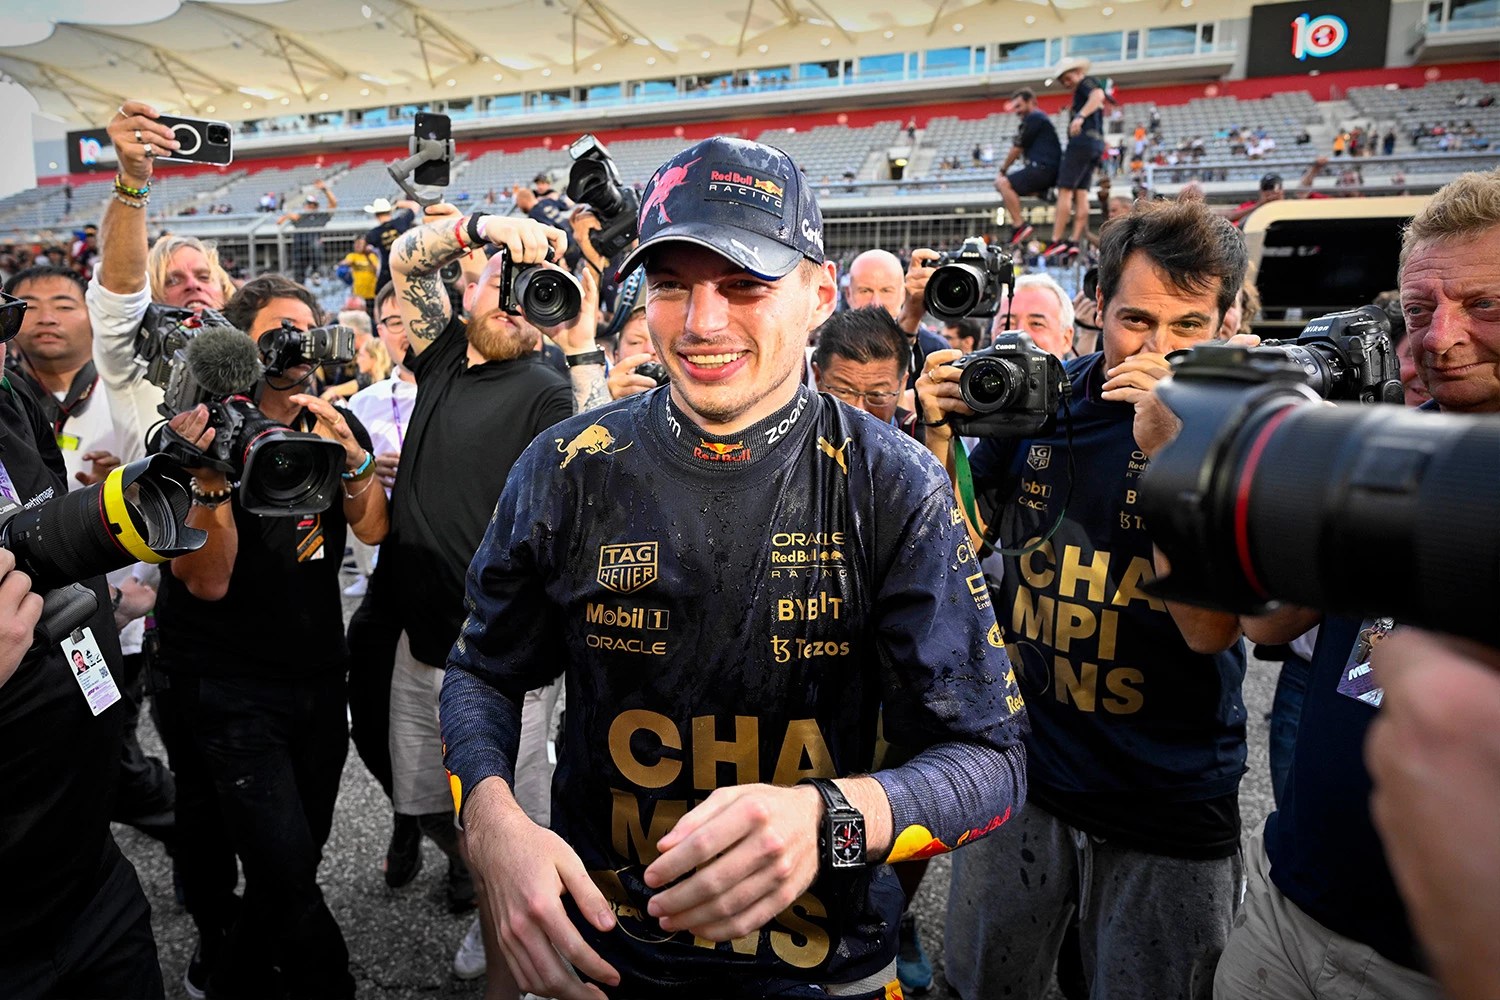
[730,611]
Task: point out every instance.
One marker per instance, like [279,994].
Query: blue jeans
[275,751]
[1286,712]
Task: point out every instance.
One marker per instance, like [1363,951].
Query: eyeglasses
[853,396]
[12,312]
[392,322]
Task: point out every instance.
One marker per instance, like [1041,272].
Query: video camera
[1263,499]
[968,281]
[203,360]
[1013,385]
[594,180]
[1346,356]
[138,513]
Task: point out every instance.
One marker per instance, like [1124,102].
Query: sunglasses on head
[12,311]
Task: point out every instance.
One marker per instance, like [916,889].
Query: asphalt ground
[401,943]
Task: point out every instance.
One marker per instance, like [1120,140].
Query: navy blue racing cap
[743,200]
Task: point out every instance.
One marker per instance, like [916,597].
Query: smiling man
[733,573]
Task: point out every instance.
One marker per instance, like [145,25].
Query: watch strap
[832,797]
[586,358]
[476,238]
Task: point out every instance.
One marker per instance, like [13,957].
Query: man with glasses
[861,358]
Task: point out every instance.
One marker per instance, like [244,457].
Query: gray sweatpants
[1150,927]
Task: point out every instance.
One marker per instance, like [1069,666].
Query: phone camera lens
[218,135]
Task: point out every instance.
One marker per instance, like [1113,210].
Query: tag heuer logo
[627,567]
[1039,457]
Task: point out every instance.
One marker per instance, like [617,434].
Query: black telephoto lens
[954,291]
[548,296]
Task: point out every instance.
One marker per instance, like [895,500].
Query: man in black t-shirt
[308,223]
[73,919]
[1035,144]
[1085,147]
[1138,727]
[390,222]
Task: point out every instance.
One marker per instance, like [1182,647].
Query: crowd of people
[808,634]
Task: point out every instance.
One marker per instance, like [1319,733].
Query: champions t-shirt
[1134,736]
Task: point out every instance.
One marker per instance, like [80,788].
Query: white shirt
[132,401]
[385,409]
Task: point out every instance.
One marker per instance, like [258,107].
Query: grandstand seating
[830,152]
[1434,104]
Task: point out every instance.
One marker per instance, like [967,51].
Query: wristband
[586,358]
[203,498]
[363,470]
[476,237]
[133,192]
[458,234]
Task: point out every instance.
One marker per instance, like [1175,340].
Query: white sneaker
[468,961]
[358,587]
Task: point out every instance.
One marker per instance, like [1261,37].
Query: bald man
[876,278]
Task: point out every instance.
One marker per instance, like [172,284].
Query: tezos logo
[1319,37]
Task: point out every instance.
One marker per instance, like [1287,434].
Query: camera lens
[953,291]
[990,384]
[548,296]
[218,135]
[290,473]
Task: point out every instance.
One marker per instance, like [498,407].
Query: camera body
[655,371]
[1346,356]
[286,347]
[1013,386]
[968,281]
[547,296]
[594,180]
[165,331]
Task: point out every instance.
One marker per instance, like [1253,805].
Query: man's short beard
[503,343]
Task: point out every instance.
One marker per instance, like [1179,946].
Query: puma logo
[837,454]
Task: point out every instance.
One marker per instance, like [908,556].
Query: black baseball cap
[743,200]
[1270,182]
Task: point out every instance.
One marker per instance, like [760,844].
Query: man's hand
[386,465]
[1076,125]
[917,276]
[578,337]
[332,425]
[133,128]
[624,380]
[937,387]
[192,426]
[751,851]
[584,223]
[1156,426]
[525,870]
[525,240]
[102,464]
[1434,754]
[20,610]
[136,599]
[441,210]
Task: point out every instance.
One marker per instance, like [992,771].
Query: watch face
[847,844]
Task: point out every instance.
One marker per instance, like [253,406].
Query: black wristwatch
[586,358]
[841,837]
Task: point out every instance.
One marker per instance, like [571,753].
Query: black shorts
[1079,162]
[1031,178]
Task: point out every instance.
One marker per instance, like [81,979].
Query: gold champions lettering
[651,751]
[1082,607]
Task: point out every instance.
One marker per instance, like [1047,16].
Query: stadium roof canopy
[233,59]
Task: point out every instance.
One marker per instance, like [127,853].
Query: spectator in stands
[1143,848]
[1085,147]
[364,269]
[1272,189]
[1041,308]
[1388,143]
[1037,147]
[875,278]
[1341,142]
[307,245]
[1322,911]
[390,222]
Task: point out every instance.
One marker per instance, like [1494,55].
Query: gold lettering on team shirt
[1081,687]
[741,752]
[803,751]
[627,566]
[804,754]
[819,605]
[636,824]
[624,728]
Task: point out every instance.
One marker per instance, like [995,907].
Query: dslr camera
[1268,496]
[1013,386]
[1345,356]
[280,471]
[547,296]
[968,281]
[286,347]
[594,180]
[655,371]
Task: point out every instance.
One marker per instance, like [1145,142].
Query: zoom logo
[1319,37]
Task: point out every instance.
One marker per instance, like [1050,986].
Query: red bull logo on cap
[726,183]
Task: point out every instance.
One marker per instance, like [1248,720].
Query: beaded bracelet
[363,470]
[132,202]
[133,192]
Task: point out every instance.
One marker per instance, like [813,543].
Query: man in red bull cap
[734,574]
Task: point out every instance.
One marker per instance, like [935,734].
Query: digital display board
[1325,35]
[90,151]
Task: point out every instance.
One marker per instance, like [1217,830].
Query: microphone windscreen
[223,360]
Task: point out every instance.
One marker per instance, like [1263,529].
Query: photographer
[72,917]
[252,644]
[1322,904]
[1137,741]
[479,380]
[1041,308]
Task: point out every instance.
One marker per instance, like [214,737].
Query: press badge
[90,671]
[1358,679]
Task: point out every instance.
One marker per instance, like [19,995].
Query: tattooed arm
[418,257]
